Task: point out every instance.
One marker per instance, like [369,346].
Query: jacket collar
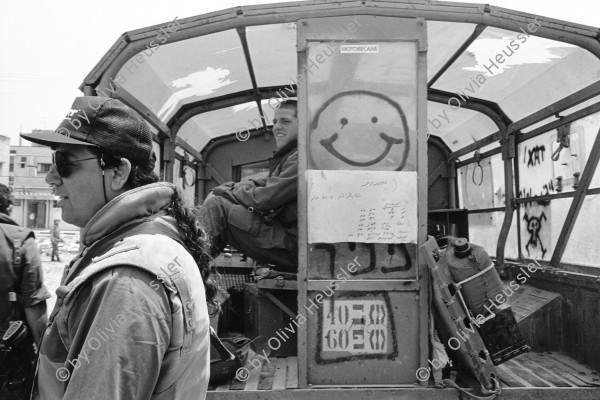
[291,145]
[5,219]
[129,206]
[282,154]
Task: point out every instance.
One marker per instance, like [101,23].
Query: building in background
[4,159]
[35,205]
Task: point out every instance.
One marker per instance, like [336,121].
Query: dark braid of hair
[5,198]
[196,242]
[189,227]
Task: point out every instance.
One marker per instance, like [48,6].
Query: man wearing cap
[131,319]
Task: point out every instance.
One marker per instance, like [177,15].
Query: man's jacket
[131,322]
[25,280]
[276,193]
[55,234]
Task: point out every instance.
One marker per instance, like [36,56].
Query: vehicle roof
[231,62]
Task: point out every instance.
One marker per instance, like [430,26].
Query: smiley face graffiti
[359,129]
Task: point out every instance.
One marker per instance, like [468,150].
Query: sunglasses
[60,161]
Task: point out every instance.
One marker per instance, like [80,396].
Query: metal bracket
[168,150]
[563,139]
[508,146]
[450,170]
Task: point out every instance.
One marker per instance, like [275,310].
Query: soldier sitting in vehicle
[259,216]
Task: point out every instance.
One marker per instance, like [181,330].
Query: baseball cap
[105,123]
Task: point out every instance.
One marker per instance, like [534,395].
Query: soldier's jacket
[132,322]
[275,194]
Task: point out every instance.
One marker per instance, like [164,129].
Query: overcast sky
[48,47]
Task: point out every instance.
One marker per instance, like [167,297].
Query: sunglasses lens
[59,161]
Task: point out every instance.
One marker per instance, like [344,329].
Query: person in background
[22,298]
[55,239]
[131,318]
[259,217]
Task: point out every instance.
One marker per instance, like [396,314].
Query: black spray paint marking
[391,250]
[533,155]
[534,226]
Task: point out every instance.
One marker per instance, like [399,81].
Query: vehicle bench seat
[538,313]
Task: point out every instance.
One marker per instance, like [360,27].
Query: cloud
[244,107]
[534,51]
[196,84]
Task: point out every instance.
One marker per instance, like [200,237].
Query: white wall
[4,159]
[541,222]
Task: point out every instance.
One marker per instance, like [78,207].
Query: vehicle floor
[529,370]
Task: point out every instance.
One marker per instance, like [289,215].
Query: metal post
[168,158]
[517,207]
[508,153]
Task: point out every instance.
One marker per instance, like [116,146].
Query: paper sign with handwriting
[362,206]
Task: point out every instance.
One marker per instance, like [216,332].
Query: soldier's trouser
[55,251]
[227,222]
